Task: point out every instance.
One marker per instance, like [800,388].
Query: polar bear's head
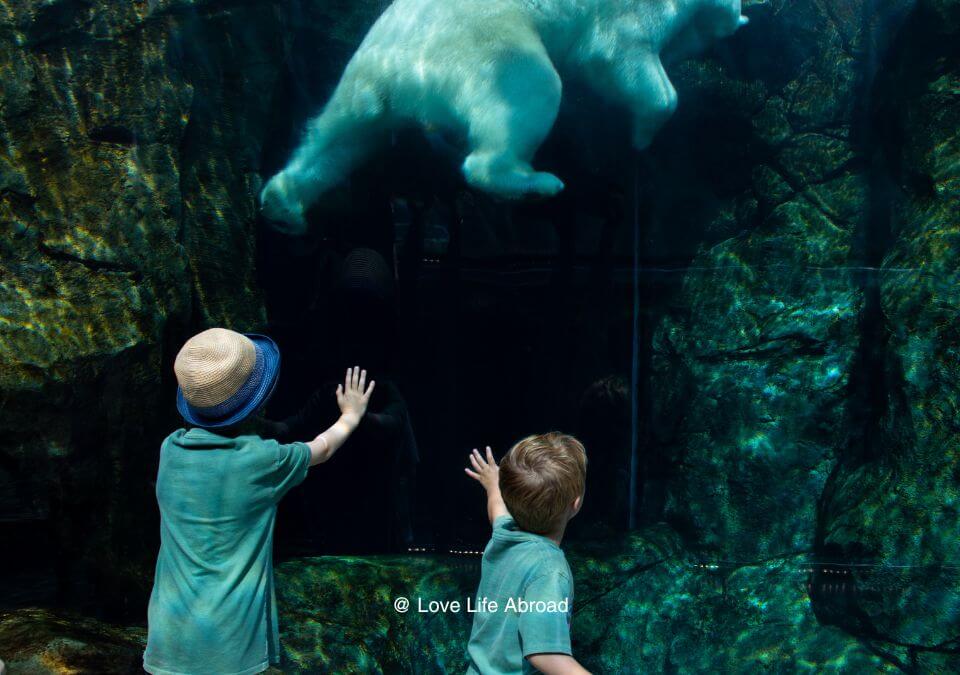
[707,22]
[718,19]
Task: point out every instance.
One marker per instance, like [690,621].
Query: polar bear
[488,69]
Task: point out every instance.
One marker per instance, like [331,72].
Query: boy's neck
[557,537]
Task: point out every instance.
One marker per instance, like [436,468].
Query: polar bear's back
[457,27]
[421,58]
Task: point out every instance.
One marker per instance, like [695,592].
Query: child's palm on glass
[485,469]
[353,395]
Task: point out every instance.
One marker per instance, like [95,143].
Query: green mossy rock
[806,379]
[38,642]
[130,145]
[642,605]
[897,503]
[752,360]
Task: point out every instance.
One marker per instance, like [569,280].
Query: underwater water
[751,323]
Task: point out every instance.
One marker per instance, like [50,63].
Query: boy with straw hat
[212,609]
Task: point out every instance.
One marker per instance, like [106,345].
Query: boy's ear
[577,503]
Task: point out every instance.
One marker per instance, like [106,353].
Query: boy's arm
[487,473]
[352,397]
[557,664]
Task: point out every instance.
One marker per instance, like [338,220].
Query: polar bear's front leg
[648,92]
[335,142]
[508,117]
[281,204]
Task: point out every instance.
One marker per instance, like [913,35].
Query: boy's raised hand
[487,473]
[485,469]
[353,395]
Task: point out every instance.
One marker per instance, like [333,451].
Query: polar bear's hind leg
[509,117]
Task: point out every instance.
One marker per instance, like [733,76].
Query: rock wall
[642,605]
[129,148]
[758,353]
[895,500]
[803,378]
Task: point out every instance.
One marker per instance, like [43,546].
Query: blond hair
[540,478]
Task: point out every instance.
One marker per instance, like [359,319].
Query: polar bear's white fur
[489,69]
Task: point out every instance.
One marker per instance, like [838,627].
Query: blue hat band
[251,396]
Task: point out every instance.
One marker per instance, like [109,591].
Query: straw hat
[225,376]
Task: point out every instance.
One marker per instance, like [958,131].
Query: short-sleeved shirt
[213,609]
[528,577]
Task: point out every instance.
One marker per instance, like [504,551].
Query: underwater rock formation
[753,359]
[38,642]
[896,499]
[642,591]
[808,354]
[128,169]
[489,71]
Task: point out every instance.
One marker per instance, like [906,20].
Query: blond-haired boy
[526,587]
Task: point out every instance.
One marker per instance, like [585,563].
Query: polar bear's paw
[281,207]
[541,184]
[513,181]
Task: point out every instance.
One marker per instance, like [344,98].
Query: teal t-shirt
[528,577]
[212,610]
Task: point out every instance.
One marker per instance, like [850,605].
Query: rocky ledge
[642,605]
